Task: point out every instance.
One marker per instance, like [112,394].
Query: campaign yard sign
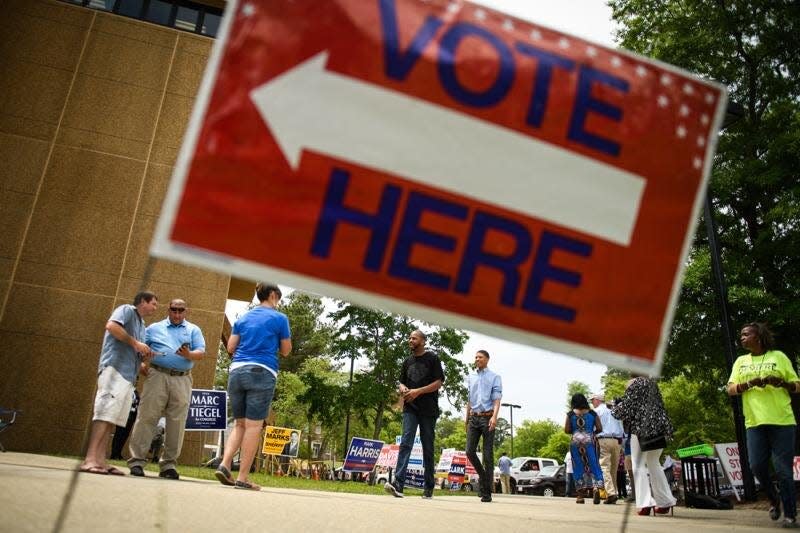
[208,410]
[415,459]
[415,477]
[444,160]
[362,455]
[388,456]
[281,441]
[445,460]
[457,471]
[728,453]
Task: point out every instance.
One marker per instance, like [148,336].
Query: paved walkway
[33,489]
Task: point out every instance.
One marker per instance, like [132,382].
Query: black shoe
[170,473]
[486,498]
[392,489]
[137,471]
[790,523]
[427,494]
[611,500]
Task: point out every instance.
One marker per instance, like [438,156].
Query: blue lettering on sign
[411,234]
[398,65]
[473,256]
[584,103]
[334,212]
[544,73]
[447,67]
[543,270]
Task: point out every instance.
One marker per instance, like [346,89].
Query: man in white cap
[610,441]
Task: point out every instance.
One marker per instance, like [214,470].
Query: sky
[532,378]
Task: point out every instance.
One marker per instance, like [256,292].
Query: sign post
[446,161]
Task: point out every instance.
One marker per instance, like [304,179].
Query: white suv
[523,468]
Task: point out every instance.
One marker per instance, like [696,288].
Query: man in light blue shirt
[176,344]
[485,392]
[610,443]
[504,464]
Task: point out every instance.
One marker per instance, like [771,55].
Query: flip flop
[114,471]
[93,470]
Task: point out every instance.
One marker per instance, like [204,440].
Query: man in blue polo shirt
[176,344]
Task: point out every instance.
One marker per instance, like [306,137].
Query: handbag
[652,443]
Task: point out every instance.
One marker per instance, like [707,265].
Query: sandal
[114,471]
[93,470]
[224,476]
[246,485]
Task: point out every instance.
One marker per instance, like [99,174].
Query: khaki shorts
[114,397]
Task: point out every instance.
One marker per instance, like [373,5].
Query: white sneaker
[391,489]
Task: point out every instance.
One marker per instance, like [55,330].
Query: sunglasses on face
[177,309]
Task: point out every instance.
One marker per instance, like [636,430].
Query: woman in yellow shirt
[765,377]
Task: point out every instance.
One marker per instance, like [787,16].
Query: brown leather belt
[170,371]
[484,413]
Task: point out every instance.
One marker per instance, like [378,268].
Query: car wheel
[466,487]
[548,492]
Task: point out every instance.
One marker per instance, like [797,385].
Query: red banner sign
[446,161]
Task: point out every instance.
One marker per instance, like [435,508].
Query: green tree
[289,410]
[502,432]
[532,436]
[750,46]
[698,417]
[614,382]
[556,447]
[576,387]
[323,397]
[311,336]
[380,340]
[222,366]
[456,437]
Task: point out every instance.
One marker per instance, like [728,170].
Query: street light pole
[511,407]
[347,420]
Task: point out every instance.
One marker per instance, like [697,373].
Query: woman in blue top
[583,424]
[257,339]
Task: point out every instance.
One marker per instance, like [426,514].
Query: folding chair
[7,419]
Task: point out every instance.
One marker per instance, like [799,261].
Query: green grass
[286,482]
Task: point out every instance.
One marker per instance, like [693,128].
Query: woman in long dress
[583,424]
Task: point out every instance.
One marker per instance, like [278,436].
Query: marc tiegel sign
[449,162]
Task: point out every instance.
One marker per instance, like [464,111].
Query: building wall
[92,115]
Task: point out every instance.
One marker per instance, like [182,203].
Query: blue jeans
[426,425]
[777,441]
[250,389]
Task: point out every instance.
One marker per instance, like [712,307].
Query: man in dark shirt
[420,380]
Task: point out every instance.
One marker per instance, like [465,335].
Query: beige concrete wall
[92,115]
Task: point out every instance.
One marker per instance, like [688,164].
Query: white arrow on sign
[308,107]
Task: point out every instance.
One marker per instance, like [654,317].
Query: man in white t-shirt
[570,479]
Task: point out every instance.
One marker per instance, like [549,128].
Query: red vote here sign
[446,161]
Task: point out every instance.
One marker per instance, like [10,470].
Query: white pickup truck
[523,468]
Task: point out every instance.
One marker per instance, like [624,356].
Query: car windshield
[516,462]
[548,471]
